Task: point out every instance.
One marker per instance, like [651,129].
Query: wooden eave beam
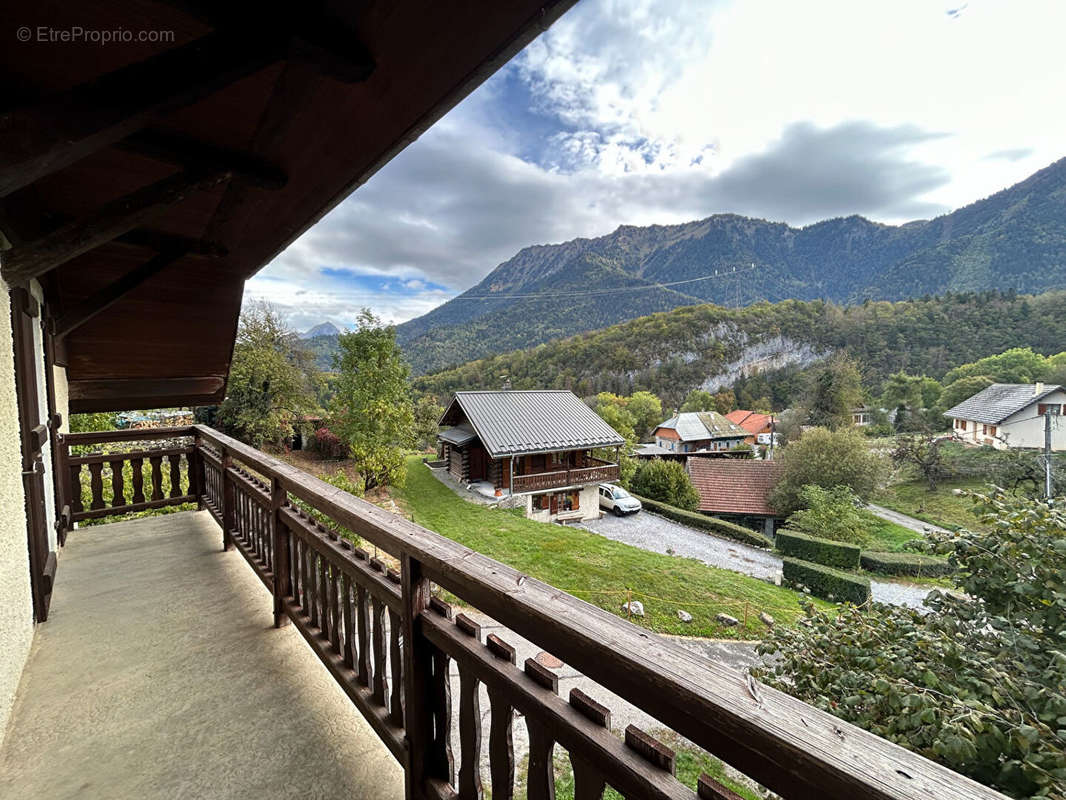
[114,394]
[161,241]
[315,35]
[192,154]
[20,264]
[44,137]
[110,294]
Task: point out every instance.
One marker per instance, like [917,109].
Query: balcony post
[280,540]
[228,500]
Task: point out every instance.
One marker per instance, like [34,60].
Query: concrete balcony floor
[159,675]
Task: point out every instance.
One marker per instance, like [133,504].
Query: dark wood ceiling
[143,183]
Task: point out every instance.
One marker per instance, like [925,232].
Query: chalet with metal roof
[1011,415]
[699,432]
[537,444]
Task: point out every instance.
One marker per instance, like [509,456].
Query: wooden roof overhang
[142,183]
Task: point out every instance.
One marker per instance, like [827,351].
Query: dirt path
[916,525]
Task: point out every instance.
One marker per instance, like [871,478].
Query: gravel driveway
[660,535]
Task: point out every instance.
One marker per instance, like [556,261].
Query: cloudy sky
[662,111]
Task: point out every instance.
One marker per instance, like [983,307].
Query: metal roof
[458,435]
[692,426]
[1000,400]
[540,421]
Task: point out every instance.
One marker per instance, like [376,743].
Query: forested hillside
[1014,239]
[766,345]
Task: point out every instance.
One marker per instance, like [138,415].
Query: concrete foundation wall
[16,608]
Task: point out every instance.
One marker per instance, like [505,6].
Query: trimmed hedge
[915,564]
[825,581]
[821,551]
[720,527]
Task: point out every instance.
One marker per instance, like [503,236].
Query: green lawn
[599,570]
[942,507]
[887,536]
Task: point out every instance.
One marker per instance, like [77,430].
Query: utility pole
[1047,456]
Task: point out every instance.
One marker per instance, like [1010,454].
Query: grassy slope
[597,569]
[887,536]
[941,507]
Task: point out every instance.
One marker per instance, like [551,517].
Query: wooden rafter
[161,241]
[109,295]
[43,137]
[192,154]
[20,264]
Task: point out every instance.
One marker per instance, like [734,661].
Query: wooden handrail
[792,748]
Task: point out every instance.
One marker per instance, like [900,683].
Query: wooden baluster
[229,501]
[501,745]
[175,474]
[396,663]
[417,667]
[96,485]
[379,651]
[194,463]
[346,605]
[441,763]
[312,585]
[334,609]
[540,776]
[157,477]
[282,565]
[137,465]
[324,621]
[118,491]
[469,735]
[75,489]
[588,782]
[363,656]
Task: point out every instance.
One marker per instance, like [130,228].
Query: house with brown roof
[737,490]
[754,423]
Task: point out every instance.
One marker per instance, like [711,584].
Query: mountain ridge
[1012,239]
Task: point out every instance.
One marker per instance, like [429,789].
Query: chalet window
[540,502]
[570,501]
[1054,409]
[961,424]
[991,430]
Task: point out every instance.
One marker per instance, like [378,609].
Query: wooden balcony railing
[600,472]
[391,645]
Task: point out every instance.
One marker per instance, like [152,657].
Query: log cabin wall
[459,464]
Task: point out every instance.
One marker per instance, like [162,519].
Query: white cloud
[659,111]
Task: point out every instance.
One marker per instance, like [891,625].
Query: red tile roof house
[751,421]
[737,490]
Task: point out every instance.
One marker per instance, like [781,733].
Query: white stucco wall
[1026,429]
[16,608]
[588,506]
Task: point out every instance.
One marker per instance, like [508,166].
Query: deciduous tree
[371,409]
[821,457]
[667,482]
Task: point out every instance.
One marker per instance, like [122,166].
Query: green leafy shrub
[826,582]
[719,527]
[820,551]
[916,564]
[667,482]
[833,513]
[825,458]
[974,683]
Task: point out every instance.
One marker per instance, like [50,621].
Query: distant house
[1011,415]
[862,416]
[757,425]
[535,446]
[699,431]
[737,490]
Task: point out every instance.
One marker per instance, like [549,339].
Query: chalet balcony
[174,662]
[597,472]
